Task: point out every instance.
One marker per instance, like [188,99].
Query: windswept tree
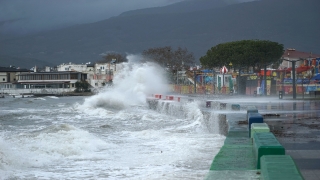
[242,54]
[269,53]
[109,57]
[169,58]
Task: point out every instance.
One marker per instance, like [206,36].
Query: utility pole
[293,66]
[265,80]
[195,81]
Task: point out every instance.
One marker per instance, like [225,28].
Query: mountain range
[197,25]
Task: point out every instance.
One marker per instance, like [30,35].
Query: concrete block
[259,128]
[234,157]
[279,167]
[254,118]
[266,144]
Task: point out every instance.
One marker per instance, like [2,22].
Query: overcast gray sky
[31,15]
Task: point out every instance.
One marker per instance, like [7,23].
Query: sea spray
[132,84]
[197,119]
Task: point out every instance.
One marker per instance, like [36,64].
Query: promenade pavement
[294,122]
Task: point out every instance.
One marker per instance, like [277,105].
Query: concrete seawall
[300,139]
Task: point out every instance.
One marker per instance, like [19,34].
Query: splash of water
[48,146]
[132,84]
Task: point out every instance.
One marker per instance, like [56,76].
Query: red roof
[298,69]
[292,53]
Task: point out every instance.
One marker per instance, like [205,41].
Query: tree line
[167,57]
[242,54]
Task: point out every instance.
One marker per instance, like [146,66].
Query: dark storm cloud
[34,15]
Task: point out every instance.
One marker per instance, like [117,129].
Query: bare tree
[111,57]
[168,58]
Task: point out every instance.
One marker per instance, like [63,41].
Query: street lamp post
[213,87]
[195,81]
[293,66]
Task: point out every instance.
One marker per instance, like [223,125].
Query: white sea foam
[132,84]
[39,98]
[53,97]
[193,118]
[49,146]
[166,155]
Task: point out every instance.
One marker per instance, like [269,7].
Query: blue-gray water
[67,138]
[79,138]
[111,135]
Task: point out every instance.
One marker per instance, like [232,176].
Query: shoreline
[29,95]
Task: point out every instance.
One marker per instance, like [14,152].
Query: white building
[98,75]
[103,74]
[72,67]
[21,81]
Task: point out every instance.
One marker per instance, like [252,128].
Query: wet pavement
[300,136]
[296,124]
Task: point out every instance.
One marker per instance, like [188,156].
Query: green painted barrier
[234,158]
[238,141]
[235,154]
[237,138]
[253,118]
[232,174]
[279,167]
[259,128]
[237,134]
[266,144]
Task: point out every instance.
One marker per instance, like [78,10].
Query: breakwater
[251,151]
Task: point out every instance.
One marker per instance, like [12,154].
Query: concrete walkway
[294,122]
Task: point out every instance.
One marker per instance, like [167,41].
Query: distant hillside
[183,7]
[293,23]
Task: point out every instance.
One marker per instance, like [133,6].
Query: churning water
[111,135]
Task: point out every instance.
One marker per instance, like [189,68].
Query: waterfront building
[9,77]
[98,74]
[22,81]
